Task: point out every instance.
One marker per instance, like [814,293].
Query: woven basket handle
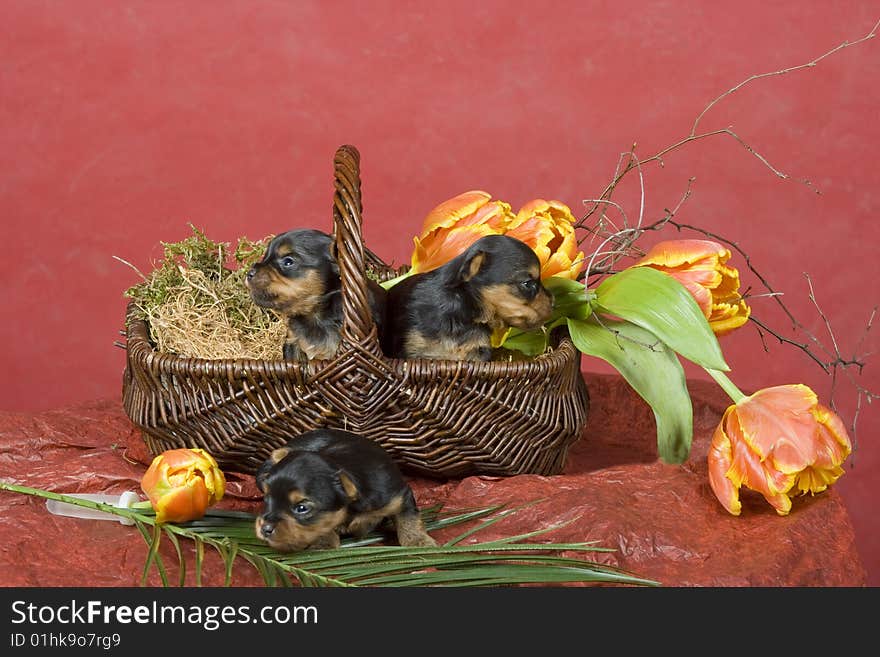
[357,319]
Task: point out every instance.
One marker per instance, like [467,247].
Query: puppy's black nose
[251,272]
[267,528]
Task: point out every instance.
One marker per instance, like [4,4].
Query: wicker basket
[435,418]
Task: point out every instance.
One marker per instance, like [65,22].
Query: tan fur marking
[326,542]
[504,307]
[279,454]
[295,296]
[290,536]
[417,345]
[365,522]
[295,495]
[349,487]
[324,351]
[474,266]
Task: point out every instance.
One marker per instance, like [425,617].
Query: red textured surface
[662,521]
[122,121]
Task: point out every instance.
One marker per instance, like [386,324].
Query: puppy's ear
[279,454]
[262,473]
[347,487]
[333,252]
[473,261]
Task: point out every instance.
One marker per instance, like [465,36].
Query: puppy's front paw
[420,540]
[327,542]
[411,532]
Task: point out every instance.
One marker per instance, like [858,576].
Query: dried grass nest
[195,302]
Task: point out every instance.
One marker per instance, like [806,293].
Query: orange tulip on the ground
[182,483]
[780,442]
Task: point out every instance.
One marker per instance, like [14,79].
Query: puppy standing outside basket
[437,418]
[329,482]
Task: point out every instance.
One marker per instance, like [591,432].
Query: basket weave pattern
[435,418]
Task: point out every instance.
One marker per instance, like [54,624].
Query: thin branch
[759,76]
[622,170]
[782,339]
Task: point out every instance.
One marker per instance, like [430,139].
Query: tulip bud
[182,483]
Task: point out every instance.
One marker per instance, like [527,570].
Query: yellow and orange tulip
[454,225]
[780,442]
[548,228]
[700,265]
[182,483]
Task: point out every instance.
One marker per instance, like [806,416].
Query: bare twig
[622,170]
[791,69]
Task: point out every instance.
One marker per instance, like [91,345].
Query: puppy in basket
[450,312]
[298,277]
[329,482]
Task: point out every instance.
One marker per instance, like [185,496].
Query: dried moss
[196,304]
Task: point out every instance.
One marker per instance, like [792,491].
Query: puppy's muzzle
[267,528]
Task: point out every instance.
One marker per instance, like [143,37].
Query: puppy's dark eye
[301,509]
[287,262]
[529,287]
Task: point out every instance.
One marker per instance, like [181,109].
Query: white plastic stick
[123,501]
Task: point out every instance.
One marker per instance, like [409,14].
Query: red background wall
[122,121]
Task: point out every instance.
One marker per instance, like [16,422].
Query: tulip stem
[726,384]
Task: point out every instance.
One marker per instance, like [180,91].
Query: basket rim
[140,347]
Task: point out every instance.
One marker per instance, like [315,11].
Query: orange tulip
[454,225]
[548,228]
[182,484]
[780,442]
[700,266]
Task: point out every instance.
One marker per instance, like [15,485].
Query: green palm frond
[502,562]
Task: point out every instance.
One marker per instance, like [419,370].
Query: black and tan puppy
[450,312]
[329,482]
[298,277]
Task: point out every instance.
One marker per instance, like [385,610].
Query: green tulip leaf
[570,298]
[531,343]
[570,305]
[558,285]
[660,304]
[651,369]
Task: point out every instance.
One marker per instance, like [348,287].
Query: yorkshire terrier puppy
[450,312]
[299,278]
[329,482]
